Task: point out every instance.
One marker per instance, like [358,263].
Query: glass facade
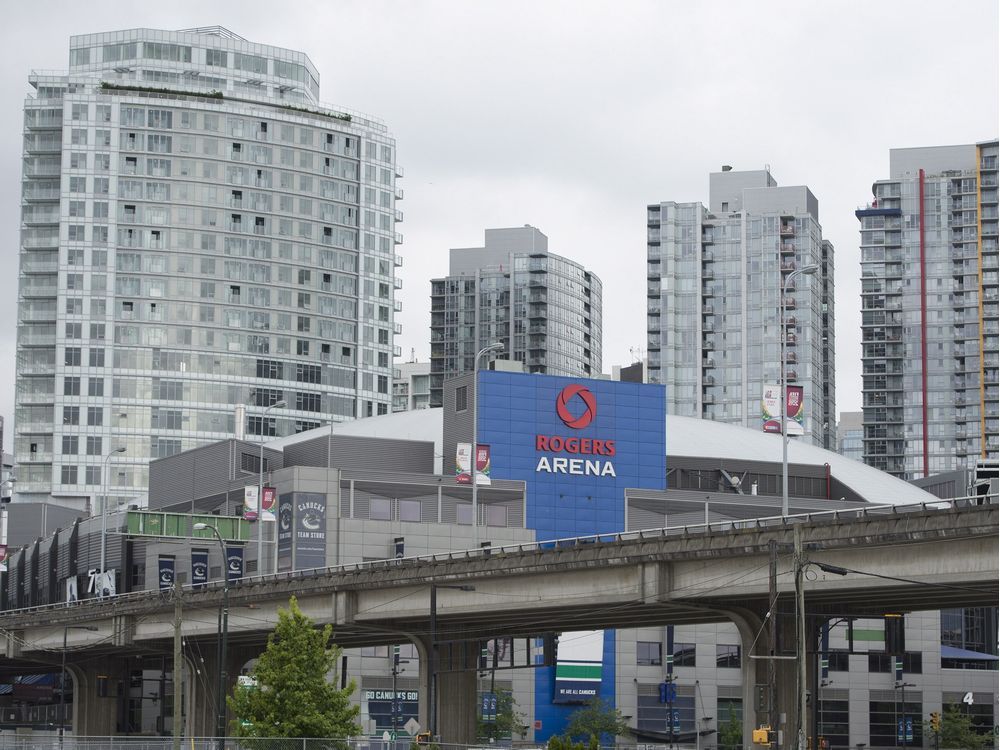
[545,309]
[713,290]
[199,232]
[929,312]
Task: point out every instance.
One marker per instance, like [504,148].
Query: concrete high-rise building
[929,311]
[850,435]
[411,386]
[545,309]
[714,283]
[199,232]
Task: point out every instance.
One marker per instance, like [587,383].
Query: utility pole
[178,718]
[800,639]
[772,708]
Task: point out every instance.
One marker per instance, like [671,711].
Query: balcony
[788,265]
[790,303]
[787,230]
[791,358]
[708,364]
[790,339]
[787,248]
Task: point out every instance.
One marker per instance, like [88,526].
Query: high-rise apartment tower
[929,311]
[199,233]
[545,309]
[715,277]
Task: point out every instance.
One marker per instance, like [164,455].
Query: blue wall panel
[514,409]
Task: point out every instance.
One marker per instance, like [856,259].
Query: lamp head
[119,450]
[279,404]
[199,526]
[810,269]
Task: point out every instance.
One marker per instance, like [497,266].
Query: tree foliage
[597,719]
[293,696]
[957,731]
[509,721]
[731,733]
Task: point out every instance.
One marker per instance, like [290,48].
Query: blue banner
[199,567]
[166,571]
[234,563]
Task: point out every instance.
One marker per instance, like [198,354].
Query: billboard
[310,530]
[579,667]
[794,409]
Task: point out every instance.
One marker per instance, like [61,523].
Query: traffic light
[895,638]
[936,722]
[763,736]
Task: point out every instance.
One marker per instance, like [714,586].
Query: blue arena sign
[577,444]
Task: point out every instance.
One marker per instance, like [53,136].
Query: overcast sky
[573,116]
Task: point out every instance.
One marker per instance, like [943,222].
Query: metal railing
[618,537]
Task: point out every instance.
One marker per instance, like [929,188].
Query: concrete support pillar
[95,716]
[457,695]
[753,672]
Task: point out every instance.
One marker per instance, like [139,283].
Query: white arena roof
[686,436]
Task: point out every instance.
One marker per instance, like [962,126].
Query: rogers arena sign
[575,445]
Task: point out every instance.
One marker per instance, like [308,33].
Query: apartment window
[308,402]
[96,357]
[73,355]
[838,661]
[93,474]
[71,386]
[648,653]
[913,662]
[378,651]
[71,415]
[68,475]
[302,347]
[74,330]
[217,58]
[95,446]
[383,383]
[95,416]
[727,656]
[95,387]
[70,445]
[461,398]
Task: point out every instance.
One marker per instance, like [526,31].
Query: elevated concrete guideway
[947,554]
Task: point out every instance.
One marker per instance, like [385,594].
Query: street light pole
[62,679]
[783,334]
[432,687]
[496,346]
[104,511]
[220,727]
[260,491]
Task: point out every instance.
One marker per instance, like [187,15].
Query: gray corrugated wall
[457,427]
[354,452]
[202,471]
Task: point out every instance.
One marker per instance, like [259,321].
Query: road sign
[412,726]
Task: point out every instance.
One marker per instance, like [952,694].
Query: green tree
[731,733]
[595,720]
[957,731]
[293,697]
[509,721]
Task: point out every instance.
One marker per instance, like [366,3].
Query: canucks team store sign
[577,444]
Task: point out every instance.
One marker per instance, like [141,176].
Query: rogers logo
[565,396]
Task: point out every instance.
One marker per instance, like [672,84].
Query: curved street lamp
[496,346]
[220,726]
[104,511]
[783,334]
[260,493]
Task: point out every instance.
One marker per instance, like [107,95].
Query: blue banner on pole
[234,563]
[199,567]
[909,729]
[166,572]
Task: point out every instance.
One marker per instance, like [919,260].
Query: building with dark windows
[198,232]
[385,487]
[929,299]
[544,309]
[715,278]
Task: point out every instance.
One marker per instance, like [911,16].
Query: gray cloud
[573,116]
